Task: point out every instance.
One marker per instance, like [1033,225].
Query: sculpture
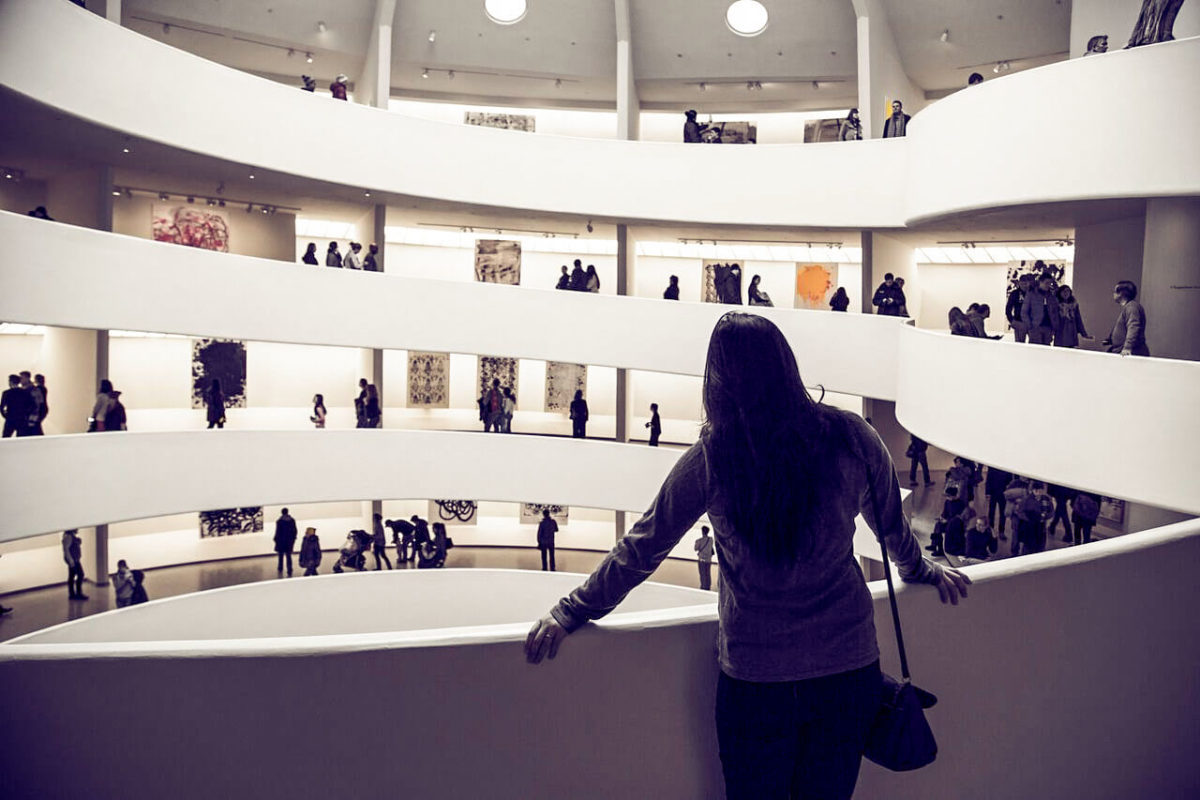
[1155,23]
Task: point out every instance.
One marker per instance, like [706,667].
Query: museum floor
[40,608]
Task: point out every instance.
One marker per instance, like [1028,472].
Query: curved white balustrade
[627,707]
[186,290]
[1039,136]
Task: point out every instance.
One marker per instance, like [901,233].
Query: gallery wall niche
[531,513]
[223,360]
[428,380]
[231,521]
[454,512]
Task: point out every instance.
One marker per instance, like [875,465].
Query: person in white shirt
[353,260]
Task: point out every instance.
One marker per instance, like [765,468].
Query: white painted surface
[1116,18]
[642,681]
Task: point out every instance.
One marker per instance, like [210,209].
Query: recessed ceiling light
[124,149]
[433,36]
[504,12]
[746,17]
[450,74]
[251,176]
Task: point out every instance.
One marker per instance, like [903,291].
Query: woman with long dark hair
[214,399]
[319,413]
[782,479]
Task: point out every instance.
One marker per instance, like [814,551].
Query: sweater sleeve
[680,502]
[1135,320]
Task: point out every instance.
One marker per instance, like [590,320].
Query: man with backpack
[1085,510]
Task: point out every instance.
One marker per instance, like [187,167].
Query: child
[139,591]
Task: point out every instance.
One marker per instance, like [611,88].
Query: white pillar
[628,108]
[881,75]
[374,88]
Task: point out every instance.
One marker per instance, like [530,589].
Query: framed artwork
[1112,510]
[562,381]
[225,360]
[193,226]
[498,261]
[497,367]
[1018,268]
[454,512]
[531,513]
[722,282]
[428,380]
[512,122]
[231,521]
[814,285]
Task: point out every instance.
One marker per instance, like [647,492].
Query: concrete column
[881,75]
[1106,252]
[1170,288]
[626,255]
[867,268]
[104,222]
[628,107]
[374,88]
[379,225]
[109,9]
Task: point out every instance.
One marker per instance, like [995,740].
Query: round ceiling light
[746,17]
[504,12]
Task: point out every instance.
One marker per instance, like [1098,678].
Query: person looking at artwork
[591,280]
[1085,510]
[840,300]
[888,297]
[285,540]
[338,87]
[214,401]
[564,280]
[782,478]
[16,404]
[370,263]
[116,419]
[1128,335]
[420,531]
[578,413]
[508,406]
[319,413]
[122,583]
[100,407]
[655,425]
[373,414]
[692,130]
[379,542]
[1040,311]
[1012,309]
[850,129]
[959,324]
[672,290]
[33,424]
[704,553]
[310,254]
[360,404]
[332,257]
[493,408]
[547,527]
[72,549]
[756,296]
[352,260]
[578,277]
[896,124]
[310,551]
[916,453]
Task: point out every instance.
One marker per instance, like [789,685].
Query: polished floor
[40,608]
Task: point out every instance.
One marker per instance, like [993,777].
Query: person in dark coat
[370,261]
[545,539]
[310,255]
[655,425]
[578,277]
[379,543]
[564,280]
[16,404]
[897,123]
[1040,311]
[916,455]
[402,537]
[139,590]
[72,549]
[1085,510]
[691,128]
[672,290]
[420,531]
[1060,495]
[310,551]
[214,401]
[285,539]
[993,487]
[980,542]
[579,415]
[840,300]
[889,298]
[1128,335]
[332,257]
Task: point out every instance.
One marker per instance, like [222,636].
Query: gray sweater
[778,621]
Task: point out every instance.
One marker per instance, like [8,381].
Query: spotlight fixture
[366,194]
[291,52]
[128,193]
[425,73]
[221,187]
[251,176]
[264,210]
[703,86]
[945,37]
[210,202]
[308,57]
[116,191]
[1001,66]
[221,203]
[321,27]
[432,37]
[816,85]
[589,227]
[166,28]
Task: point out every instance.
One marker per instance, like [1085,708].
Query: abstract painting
[531,513]
[454,512]
[192,226]
[231,521]
[814,285]
[498,261]
[497,368]
[1018,268]
[489,119]
[428,380]
[562,381]
[225,360]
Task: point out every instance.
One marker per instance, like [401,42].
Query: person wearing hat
[310,85]
[692,129]
[338,87]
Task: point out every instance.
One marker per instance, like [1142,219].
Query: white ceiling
[677,44]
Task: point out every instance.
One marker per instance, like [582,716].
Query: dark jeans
[921,459]
[216,424]
[1040,335]
[654,438]
[380,551]
[705,574]
[579,428]
[11,428]
[310,571]
[1060,512]
[279,566]
[996,502]
[1083,531]
[1020,331]
[546,550]
[795,739]
[75,580]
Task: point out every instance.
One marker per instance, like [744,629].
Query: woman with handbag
[782,479]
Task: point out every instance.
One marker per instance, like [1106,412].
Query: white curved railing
[1038,136]
[1022,663]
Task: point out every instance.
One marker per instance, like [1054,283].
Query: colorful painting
[231,521]
[531,513]
[225,360]
[194,226]
[497,368]
[498,261]
[722,283]
[454,512]
[512,122]
[814,285]
[428,380]
[562,381]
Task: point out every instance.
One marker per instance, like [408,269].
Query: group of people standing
[1040,311]
[24,405]
[579,279]
[352,259]
[411,537]
[496,407]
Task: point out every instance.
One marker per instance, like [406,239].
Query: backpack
[1086,507]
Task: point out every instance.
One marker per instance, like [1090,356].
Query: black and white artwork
[531,513]
[231,521]
[1155,22]
[491,119]
[1112,511]
[722,282]
[428,380]
[497,367]
[454,512]
[224,359]
[1058,269]
[562,381]
[498,261]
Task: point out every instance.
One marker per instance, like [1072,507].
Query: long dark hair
[766,436]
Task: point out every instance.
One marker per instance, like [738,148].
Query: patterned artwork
[562,381]
[1018,268]
[531,513]
[493,367]
[454,512]
[722,282]
[814,285]
[428,380]
[194,226]
[498,261]
[231,521]
[822,130]
[512,122]
[224,359]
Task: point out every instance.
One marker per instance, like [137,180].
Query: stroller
[353,553]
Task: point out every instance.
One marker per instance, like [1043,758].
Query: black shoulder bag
[900,738]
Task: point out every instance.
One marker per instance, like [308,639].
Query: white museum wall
[881,77]
[1116,19]
[538,270]
[250,233]
[1106,252]
[939,287]
[897,256]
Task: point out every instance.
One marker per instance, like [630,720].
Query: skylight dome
[504,12]
[746,17]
